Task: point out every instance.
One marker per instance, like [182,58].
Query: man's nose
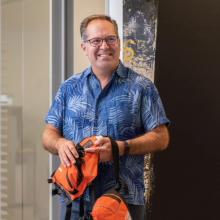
[104,45]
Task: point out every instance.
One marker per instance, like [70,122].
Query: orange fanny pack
[71,182]
[110,206]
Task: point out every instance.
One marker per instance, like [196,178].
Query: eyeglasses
[96,42]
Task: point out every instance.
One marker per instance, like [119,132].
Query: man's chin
[108,61]
[107,64]
[105,59]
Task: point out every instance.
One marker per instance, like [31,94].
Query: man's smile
[105,55]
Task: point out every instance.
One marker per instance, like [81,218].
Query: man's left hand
[105,149]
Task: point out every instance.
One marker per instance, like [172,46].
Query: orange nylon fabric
[66,178]
[108,208]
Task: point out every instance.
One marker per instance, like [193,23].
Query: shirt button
[96,117]
[97,86]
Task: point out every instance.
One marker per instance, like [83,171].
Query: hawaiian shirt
[127,107]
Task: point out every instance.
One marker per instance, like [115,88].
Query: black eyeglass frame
[102,40]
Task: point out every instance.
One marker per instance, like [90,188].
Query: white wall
[82,9]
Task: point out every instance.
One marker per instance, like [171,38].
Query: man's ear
[119,41]
[84,48]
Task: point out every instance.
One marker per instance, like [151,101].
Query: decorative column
[139,45]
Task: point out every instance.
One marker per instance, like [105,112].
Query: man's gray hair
[87,20]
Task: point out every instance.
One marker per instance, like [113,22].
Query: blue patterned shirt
[127,107]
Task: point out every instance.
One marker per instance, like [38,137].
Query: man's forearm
[155,140]
[50,140]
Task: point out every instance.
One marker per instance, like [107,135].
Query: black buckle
[49,180]
[118,186]
[54,192]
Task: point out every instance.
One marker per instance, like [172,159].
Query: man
[107,99]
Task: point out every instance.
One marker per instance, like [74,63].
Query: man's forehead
[96,21]
[100,28]
[100,24]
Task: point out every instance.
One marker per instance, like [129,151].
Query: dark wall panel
[187,174]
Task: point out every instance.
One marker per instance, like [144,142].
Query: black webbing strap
[80,151]
[68,211]
[90,217]
[125,188]
[115,154]
[91,194]
[92,201]
[81,207]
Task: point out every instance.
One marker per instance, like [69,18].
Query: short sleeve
[55,114]
[152,110]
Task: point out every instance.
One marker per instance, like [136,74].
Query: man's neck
[103,75]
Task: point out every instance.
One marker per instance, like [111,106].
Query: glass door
[24,76]
[11,110]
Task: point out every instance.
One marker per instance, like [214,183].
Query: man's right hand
[67,151]
[57,145]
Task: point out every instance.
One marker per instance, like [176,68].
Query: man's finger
[64,164]
[70,156]
[64,159]
[96,150]
[73,150]
[102,140]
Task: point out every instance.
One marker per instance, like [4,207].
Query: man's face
[104,56]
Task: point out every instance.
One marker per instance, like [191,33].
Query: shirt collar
[120,70]
[88,71]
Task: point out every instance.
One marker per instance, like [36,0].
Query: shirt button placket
[96,111]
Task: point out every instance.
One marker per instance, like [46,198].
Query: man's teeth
[104,55]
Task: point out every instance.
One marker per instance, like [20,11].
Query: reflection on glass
[35,30]
[24,102]
[11,111]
